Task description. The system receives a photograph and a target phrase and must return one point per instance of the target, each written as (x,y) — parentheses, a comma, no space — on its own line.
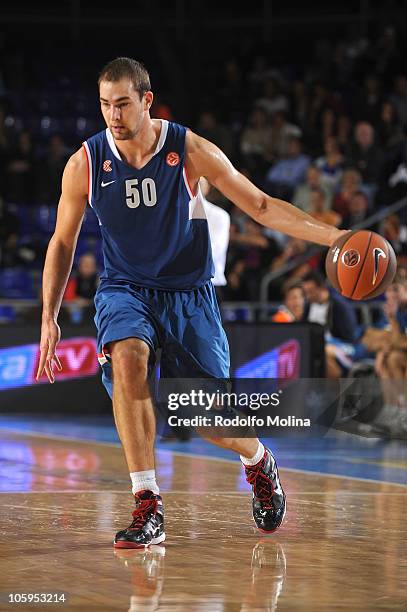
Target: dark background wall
(184,44)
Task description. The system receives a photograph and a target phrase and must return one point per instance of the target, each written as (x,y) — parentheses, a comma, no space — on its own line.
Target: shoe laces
(263,488)
(143,509)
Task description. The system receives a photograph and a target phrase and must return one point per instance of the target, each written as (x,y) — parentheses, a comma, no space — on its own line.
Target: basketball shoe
(269,504)
(147,526)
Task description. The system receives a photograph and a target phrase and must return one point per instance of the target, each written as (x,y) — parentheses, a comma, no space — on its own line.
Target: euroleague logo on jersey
(172,159)
(107,165)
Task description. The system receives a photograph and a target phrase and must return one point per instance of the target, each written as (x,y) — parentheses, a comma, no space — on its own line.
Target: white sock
(144,480)
(256,457)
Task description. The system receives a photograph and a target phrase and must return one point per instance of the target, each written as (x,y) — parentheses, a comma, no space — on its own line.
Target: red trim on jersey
(189,184)
(87,163)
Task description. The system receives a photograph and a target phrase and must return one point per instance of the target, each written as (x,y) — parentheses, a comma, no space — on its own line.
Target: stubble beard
(126,135)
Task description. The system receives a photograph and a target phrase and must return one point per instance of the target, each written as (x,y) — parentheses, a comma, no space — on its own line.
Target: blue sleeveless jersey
(154,229)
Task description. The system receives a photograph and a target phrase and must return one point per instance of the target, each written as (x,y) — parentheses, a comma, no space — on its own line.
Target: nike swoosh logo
(377,253)
(106,184)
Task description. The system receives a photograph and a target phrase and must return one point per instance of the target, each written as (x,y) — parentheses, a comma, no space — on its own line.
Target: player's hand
(50,336)
(335,234)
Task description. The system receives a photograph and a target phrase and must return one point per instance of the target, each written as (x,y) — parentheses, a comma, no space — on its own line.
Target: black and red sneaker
(147,526)
(269,503)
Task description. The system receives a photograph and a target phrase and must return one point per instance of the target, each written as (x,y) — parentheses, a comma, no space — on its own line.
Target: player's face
(122,108)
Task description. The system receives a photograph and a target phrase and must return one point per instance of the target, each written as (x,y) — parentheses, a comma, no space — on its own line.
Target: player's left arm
(203,158)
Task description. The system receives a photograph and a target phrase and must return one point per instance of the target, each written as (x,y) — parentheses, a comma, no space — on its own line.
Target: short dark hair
(315,277)
(361,194)
(290,285)
(127,68)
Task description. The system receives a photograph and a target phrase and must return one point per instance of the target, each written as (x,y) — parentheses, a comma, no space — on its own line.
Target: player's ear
(148,100)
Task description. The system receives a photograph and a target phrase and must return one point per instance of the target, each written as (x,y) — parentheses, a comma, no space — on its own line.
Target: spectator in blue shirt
(288,173)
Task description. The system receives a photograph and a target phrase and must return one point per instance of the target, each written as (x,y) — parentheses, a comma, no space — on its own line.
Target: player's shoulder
(194,142)
(77,161)
(76,173)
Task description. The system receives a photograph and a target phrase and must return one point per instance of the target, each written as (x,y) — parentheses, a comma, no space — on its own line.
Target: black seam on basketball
(334,268)
(363,263)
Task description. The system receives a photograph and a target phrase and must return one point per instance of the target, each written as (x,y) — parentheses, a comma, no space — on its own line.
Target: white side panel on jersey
(90,187)
(196,204)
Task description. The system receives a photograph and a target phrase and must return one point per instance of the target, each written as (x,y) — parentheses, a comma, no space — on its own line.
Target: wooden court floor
(343,545)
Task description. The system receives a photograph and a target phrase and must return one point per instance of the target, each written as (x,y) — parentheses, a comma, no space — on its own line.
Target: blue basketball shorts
(185,325)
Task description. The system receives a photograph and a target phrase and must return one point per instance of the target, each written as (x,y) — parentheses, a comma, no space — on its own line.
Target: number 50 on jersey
(144,193)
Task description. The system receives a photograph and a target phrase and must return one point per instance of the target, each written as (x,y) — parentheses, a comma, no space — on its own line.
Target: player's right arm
(58,262)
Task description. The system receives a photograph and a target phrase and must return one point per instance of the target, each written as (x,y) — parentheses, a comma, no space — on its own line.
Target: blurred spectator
(272,100)
(299,103)
(231,98)
(8,236)
(83,283)
(209,127)
(281,135)
(328,121)
(288,173)
(358,210)
(368,104)
(293,308)
(395,233)
(399,98)
(52,167)
(335,314)
(329,309)
(318,208)
(249,252)
(344,131)
(258,74)
(318,104)
(390,345)
(389,130)
(20,179)
(376,341)
(302,195)
(292,250)
(394,184)
(350,184)
(386,52)
(364,155)
(255,143)
(330,164)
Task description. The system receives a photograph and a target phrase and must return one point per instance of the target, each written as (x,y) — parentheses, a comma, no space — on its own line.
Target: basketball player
(141,177)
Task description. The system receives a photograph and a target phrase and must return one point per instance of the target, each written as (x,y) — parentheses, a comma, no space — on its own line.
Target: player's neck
(137,150)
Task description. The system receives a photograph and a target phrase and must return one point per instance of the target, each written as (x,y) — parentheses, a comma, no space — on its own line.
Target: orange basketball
(361,264)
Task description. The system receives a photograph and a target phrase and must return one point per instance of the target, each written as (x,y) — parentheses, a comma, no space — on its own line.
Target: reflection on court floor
(342,545)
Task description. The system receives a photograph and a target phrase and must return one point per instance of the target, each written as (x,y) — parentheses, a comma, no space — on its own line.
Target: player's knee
(130,356)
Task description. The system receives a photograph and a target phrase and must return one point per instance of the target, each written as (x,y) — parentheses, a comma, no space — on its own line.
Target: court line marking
(197,456)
